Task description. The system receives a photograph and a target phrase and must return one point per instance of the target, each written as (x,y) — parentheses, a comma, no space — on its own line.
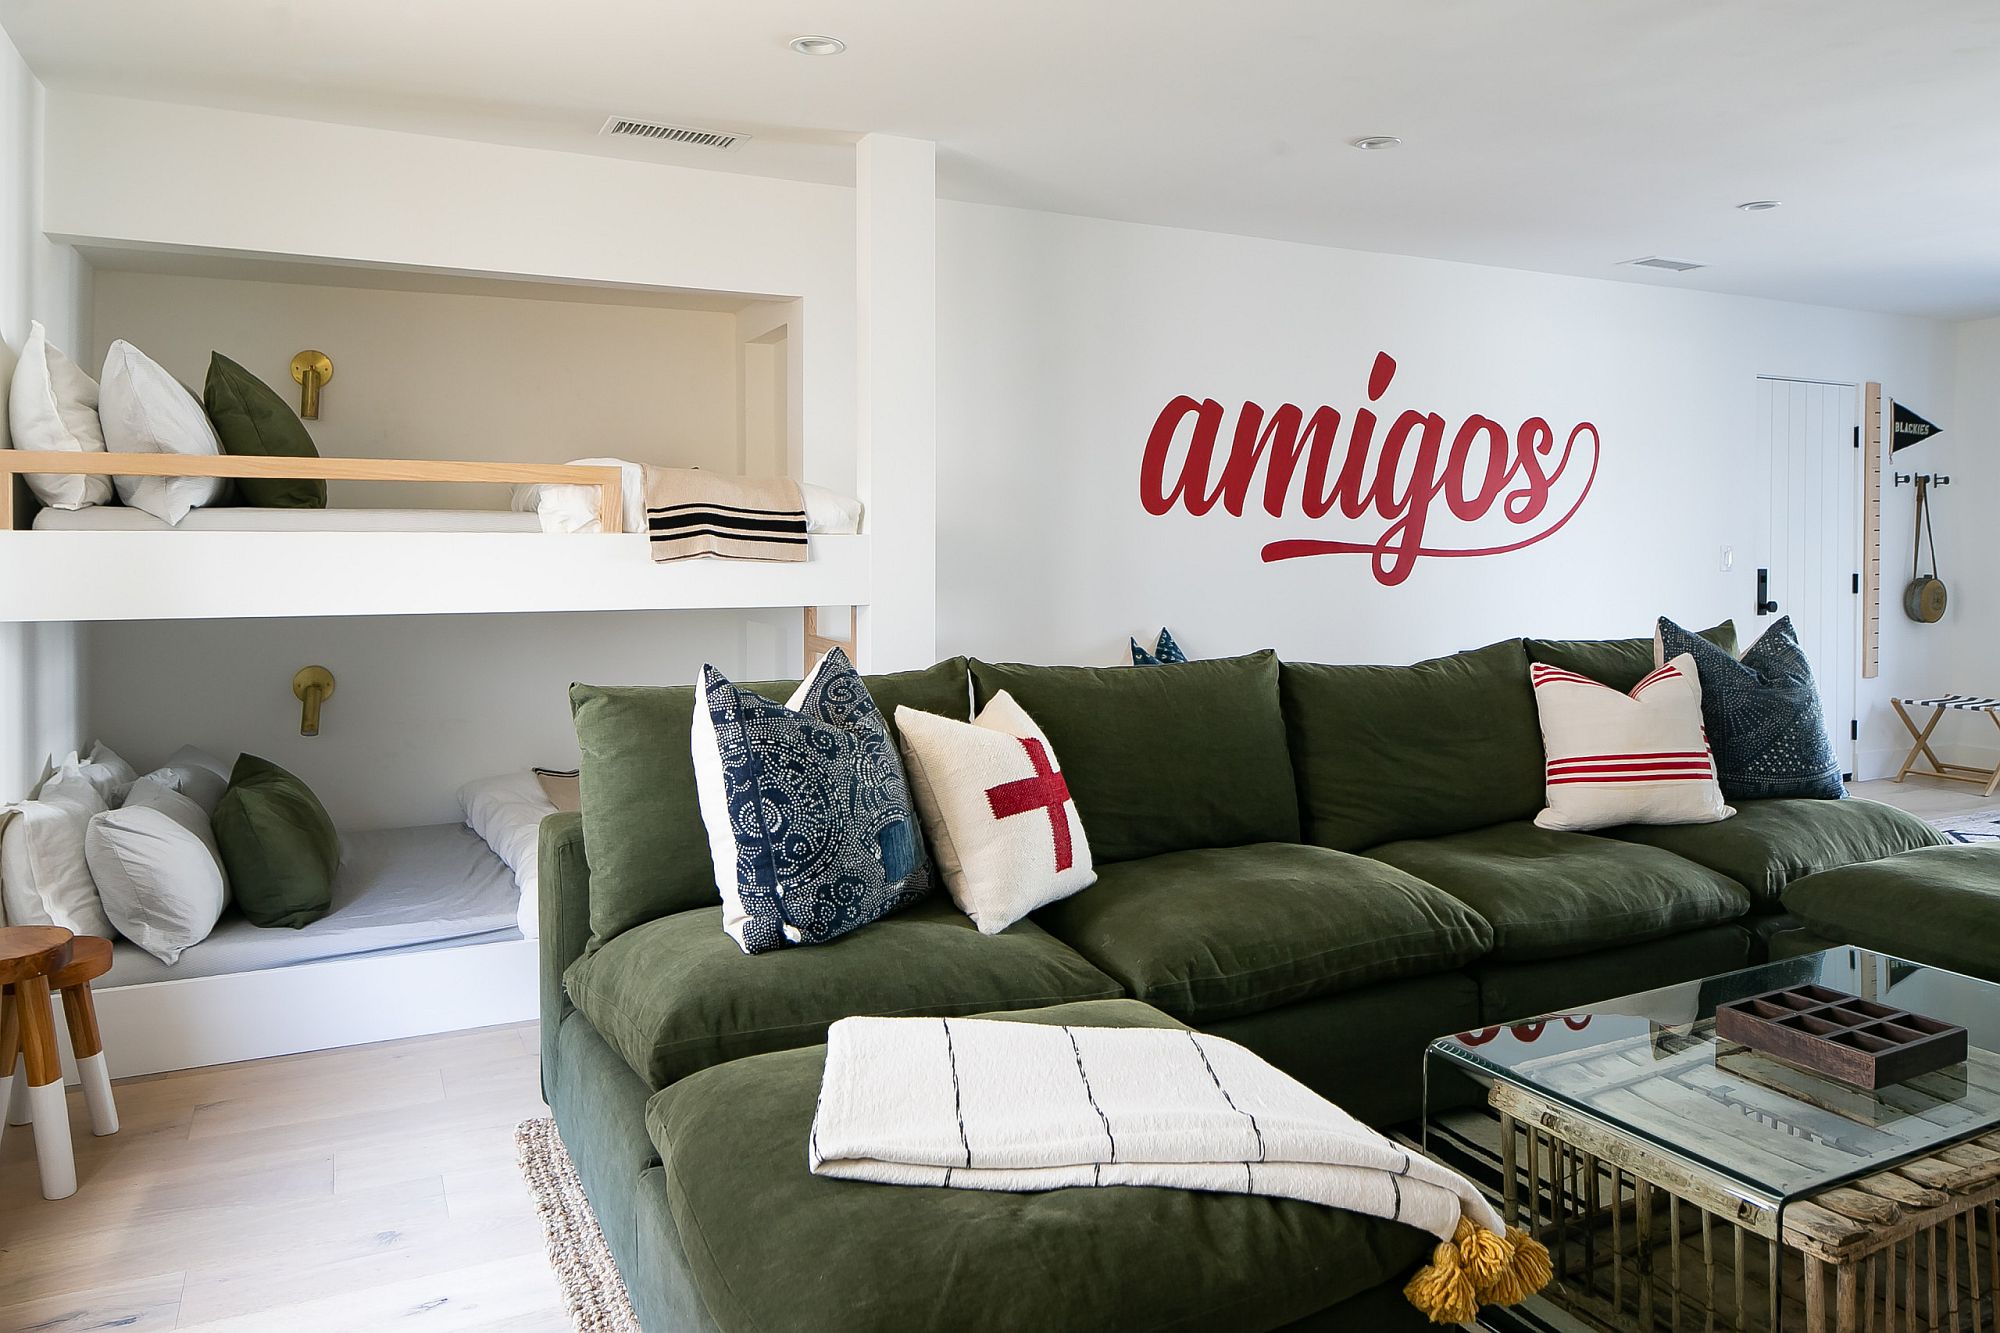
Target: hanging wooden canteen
(1924,598)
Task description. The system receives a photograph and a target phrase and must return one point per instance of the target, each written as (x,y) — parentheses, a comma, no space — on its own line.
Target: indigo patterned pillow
(1763,715)
(809,816)
(1165,651)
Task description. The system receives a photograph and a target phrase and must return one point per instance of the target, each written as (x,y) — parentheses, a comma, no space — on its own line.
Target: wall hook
(311,370)
(1928,478)
(313,686)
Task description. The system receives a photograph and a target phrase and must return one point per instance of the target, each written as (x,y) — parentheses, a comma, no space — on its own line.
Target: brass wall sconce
(311,370)
(313,686)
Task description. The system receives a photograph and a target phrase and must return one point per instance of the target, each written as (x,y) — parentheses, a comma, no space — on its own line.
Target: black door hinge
(1857,437)
(1857,581)
(1854,729)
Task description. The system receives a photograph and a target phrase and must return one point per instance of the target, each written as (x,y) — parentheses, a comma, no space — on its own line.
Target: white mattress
(396,890)
(247,518)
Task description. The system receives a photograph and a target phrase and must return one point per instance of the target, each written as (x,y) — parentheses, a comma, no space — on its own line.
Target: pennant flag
(1907,428)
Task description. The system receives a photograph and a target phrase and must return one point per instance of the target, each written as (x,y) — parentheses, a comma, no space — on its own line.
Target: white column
(896,344)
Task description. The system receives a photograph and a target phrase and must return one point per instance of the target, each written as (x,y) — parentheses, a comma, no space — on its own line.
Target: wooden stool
(1940,704)
(28,955)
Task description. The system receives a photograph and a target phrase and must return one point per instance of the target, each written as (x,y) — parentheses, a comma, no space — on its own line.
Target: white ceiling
(1557,135)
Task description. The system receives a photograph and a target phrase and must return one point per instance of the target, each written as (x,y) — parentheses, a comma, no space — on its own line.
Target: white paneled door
(1813,553)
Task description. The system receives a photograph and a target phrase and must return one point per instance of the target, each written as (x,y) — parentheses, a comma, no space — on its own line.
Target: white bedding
(247,518)
(507,811)
(574,508)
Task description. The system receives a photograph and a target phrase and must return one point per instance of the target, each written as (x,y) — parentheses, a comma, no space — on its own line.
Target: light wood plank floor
(366,1188)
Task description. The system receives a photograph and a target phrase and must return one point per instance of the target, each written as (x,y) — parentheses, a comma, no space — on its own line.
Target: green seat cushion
(1549,894)
(1768,844)
(675,994)
(1619,663)
(278,845)
(1221,932)
(1387,752)
(251,419)
(1939,905)
(1162,759)
(642,829)
(774,1247)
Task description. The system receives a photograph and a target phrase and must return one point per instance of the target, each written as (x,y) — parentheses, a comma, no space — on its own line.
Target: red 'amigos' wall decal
(1485,472)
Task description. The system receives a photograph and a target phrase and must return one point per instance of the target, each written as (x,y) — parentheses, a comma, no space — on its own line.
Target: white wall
(1968,451)
(449,375)
(1061,338)
(40,707)
(422,704)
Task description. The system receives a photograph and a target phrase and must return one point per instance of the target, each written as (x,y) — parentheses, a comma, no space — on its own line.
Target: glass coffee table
(1683,1181)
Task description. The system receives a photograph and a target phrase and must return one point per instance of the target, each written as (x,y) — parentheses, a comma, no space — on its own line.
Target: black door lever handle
(1765,606)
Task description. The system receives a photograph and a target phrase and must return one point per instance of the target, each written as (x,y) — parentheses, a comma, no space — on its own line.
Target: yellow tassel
(1526,1273)
(1485,1254)
(1442,1289)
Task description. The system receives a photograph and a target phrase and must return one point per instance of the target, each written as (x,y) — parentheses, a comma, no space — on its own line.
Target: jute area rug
(591,1287)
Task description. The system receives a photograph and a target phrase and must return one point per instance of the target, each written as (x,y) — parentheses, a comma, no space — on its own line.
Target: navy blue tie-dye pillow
(810,820)
(1165,651)
(1763,715)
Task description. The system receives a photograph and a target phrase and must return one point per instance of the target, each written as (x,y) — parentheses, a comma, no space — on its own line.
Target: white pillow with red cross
(997,810)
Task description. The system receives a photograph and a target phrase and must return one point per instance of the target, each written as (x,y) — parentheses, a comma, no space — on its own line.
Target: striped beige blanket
(691,513)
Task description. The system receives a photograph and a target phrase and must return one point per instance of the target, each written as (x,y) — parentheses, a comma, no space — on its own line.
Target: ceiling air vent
(1670,265)
(681,134)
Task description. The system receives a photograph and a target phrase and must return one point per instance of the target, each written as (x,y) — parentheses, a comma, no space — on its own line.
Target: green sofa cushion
(1162,759)
(278,845)
(1939,905)
(1619,663)
(1221,932)
(1768,844)
(642,828)
(675,994)
(1387,752)
(250,418)
(774,1247)
(1549,894)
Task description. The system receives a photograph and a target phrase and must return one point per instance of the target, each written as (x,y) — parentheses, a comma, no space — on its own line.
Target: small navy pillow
(808,809)
(1763,715)
(1165,651)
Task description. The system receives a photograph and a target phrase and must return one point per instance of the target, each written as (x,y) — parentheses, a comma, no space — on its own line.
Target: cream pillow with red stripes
(1638,758)
(997,811)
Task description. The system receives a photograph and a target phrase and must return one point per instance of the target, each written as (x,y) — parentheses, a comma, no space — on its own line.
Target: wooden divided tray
(1842,1036)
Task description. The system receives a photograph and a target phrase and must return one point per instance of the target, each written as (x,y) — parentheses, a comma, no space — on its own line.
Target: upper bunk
(448,390)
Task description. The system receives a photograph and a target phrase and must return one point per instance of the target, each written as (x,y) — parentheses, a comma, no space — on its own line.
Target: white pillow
(147,411)
(157,868)
(507,811)
(1638,758)
(830,511)
(104,770)
(44,878)
(997,811)
(196,774)
(52,406)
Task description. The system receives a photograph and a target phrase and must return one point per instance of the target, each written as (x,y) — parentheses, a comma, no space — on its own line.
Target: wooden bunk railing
(13,462)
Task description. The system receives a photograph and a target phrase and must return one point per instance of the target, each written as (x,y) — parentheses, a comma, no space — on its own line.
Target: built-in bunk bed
(430,927)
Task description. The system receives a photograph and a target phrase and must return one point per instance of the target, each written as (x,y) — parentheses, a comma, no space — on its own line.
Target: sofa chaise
(1330,865)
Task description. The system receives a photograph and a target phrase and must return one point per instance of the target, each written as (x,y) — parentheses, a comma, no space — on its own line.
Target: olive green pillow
(278,844)
(642,829)
(1619,663)
(1391,752)
(1166,758)
(253,420)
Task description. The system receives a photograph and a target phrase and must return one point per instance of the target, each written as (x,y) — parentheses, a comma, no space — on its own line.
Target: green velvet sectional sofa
(1328,864)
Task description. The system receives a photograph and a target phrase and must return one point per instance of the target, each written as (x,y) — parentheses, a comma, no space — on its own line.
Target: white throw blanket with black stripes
(982,1104)
(694,513)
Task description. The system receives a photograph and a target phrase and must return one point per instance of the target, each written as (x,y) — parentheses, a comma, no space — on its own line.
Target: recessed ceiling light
(816,45)
(1759,206)
(1373,142)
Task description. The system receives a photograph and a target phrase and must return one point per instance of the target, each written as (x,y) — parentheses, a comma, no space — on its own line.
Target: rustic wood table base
(1642,1243)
